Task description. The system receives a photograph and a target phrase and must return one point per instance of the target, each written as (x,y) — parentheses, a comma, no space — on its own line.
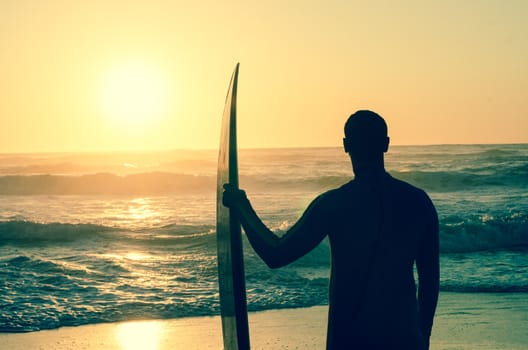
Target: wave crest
(34,233)
(105,183)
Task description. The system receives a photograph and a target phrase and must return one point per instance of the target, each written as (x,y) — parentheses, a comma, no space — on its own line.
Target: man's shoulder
(396,186)
(410,192)
(394,183)
(407,187)
(329,195)
(332,196)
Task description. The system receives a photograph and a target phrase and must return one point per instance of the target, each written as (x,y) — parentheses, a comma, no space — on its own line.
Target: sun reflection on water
(139,212)
(136,256)
(140,209)
(139,335)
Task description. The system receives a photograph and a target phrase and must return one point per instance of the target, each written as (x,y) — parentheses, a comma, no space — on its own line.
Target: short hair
(365,134)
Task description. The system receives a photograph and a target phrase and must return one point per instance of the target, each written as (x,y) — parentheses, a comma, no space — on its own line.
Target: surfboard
(231,278)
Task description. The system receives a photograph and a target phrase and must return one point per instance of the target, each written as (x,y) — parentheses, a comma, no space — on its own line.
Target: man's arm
(278,251)
(428,267)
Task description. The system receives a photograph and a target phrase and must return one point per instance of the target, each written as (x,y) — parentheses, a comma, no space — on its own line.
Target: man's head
(365,136)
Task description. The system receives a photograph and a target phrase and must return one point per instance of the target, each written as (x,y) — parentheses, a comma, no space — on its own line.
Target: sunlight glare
(139,335)
(134,94)
(135,256)
(141,210)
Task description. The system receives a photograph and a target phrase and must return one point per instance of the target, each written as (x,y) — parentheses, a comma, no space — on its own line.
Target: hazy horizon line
(244,148)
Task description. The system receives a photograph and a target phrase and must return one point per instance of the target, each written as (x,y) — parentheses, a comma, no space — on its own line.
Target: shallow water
(93,238)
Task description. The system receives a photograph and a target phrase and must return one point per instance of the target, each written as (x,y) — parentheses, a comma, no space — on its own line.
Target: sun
(134,94)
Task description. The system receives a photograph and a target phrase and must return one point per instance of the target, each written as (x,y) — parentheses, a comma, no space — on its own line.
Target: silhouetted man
(378,227)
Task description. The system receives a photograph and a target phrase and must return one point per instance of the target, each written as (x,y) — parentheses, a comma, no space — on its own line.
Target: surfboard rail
(231,277)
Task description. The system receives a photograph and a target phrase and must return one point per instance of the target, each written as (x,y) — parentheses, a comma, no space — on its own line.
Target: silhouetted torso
(378,227)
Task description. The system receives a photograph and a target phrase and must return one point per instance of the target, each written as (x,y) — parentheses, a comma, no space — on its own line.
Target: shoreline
(463,321)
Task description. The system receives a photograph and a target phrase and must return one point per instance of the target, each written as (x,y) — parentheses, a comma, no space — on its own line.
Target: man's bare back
(378,228)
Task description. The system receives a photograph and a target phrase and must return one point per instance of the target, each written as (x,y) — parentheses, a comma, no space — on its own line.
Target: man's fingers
(232,195)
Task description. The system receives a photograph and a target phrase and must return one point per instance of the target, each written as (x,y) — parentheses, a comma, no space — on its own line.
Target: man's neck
(368,169)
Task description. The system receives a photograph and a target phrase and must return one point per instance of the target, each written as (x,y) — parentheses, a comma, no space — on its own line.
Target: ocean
(89,238)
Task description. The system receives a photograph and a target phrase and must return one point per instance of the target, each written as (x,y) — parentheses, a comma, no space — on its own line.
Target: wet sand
(463,321)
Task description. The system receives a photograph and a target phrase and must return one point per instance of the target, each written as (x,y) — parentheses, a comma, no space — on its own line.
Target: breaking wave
(457,234)
(159,183)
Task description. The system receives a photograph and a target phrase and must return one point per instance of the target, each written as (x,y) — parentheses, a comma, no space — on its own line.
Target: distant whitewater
(87,238)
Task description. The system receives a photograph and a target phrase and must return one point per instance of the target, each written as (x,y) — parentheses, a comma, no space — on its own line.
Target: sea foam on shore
(463,322)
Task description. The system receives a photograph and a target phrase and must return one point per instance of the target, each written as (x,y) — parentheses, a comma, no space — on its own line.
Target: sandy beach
(464,321)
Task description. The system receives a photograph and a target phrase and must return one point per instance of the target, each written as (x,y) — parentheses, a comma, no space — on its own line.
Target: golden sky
(141,75)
